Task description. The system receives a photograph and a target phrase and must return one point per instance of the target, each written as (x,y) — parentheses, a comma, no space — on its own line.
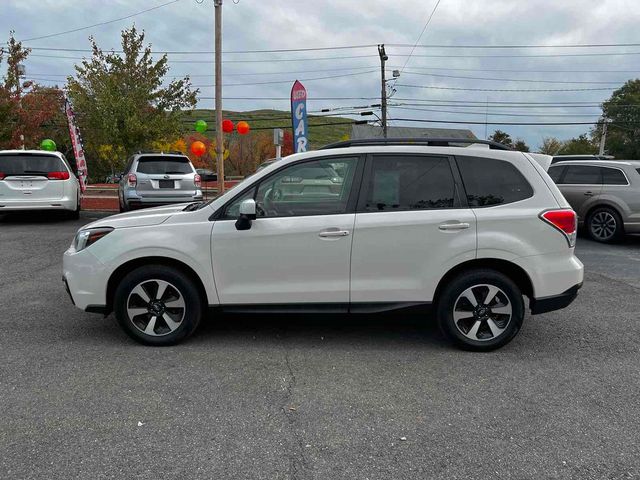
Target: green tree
(502,137)
(550,146)
(623,111)
(581,145)
(121,101)
(521,146)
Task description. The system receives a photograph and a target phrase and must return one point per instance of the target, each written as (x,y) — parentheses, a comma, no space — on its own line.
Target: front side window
(613,176)
(163,165)
(406,182)
(490,182)
(582,175)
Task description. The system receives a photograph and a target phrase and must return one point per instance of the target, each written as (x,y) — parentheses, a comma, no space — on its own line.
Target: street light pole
(603,137)
(383,59)
(218,81)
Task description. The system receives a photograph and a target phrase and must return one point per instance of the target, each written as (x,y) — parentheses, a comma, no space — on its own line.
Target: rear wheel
(480,310)
(158,305)
(605,225)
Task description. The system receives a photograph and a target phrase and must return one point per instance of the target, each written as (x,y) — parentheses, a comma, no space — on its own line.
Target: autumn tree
(521,145)
(550,146)
(123,100)
(580,145)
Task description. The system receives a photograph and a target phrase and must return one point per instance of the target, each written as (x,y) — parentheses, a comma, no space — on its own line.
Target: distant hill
(265,120)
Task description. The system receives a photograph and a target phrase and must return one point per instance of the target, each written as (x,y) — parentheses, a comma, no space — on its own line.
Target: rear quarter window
(613,176)
(164,165)
(491,182)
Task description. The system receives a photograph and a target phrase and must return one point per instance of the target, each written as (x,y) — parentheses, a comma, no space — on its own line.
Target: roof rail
(161,152)
(433,142)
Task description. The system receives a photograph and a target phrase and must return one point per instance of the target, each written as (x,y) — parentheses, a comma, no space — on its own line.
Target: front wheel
(158,305)
(480,310)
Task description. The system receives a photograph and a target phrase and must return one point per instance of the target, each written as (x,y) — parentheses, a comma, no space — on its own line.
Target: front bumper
(85,279)
(554,302)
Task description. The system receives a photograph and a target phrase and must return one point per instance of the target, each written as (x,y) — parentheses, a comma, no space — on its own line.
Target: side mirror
(247,214)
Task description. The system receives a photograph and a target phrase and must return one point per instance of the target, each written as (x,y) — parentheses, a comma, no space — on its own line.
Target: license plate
(166,184)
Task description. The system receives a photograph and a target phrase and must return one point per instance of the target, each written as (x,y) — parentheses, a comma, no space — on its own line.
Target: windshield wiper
(34,172)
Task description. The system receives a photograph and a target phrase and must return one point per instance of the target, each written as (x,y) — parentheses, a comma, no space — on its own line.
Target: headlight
(84,238)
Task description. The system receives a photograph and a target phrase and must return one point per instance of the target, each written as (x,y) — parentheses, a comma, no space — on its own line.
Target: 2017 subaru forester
(466,232)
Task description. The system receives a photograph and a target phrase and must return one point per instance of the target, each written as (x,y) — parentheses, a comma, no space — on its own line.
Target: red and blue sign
(299,117)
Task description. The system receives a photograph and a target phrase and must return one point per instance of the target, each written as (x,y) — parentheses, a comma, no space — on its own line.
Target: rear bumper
(64,203)
(554,302)
(135,201)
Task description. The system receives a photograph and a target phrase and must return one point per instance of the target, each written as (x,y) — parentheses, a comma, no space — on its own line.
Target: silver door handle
(453,226)
(333,233)
(588,194)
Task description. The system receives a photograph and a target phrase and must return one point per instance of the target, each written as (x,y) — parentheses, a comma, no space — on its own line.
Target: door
(298,249)
(28,177)
(581,185)
(411,227)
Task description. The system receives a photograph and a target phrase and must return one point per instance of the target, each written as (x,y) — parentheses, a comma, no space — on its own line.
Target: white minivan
(37,180)
(362,226)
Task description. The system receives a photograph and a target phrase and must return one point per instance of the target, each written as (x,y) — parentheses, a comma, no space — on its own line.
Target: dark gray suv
(604,193)
(153,179)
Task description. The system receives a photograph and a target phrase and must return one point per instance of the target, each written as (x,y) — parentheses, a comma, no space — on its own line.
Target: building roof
(374,131)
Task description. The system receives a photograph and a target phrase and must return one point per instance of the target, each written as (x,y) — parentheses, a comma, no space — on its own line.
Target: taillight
(197,179)
(566,221)
(132,180)
(58,175)
(2,175)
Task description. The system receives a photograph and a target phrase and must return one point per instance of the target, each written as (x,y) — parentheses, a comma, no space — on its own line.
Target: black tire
(604,225)
(189,316)
(122,206)
(478,281)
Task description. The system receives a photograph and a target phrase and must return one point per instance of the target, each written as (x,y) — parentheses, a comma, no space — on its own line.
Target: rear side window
(555,173)
(30,164)
(164,165)
(613,176)
(582,175)
(410,183)
(492,182)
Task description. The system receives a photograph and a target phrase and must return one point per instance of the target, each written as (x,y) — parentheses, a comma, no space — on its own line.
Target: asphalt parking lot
(313,398)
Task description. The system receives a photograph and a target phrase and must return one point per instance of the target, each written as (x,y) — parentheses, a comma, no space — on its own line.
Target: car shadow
(49,217)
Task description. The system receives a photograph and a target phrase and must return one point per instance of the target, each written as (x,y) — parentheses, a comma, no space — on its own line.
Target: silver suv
(604,193)
(153,179)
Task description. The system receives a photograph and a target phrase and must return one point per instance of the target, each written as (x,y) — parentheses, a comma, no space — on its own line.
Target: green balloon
(201,126)
(48,145)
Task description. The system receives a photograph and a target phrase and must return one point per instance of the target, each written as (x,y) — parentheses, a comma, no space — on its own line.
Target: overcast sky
(187,25)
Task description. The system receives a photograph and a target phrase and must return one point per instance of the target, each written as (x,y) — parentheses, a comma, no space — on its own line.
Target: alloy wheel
(482,312)
(156,307)
(603,225)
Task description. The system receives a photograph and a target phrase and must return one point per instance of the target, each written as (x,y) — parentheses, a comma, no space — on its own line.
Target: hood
(138,218)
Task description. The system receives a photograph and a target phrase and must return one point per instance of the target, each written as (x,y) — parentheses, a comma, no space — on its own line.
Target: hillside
(267,120)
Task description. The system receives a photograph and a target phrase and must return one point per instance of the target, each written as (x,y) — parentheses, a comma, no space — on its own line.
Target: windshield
(162,165)
(30,164)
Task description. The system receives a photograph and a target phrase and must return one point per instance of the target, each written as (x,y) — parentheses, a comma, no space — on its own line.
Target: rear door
(32,177)
(165,176)
(581,185)
(412,225)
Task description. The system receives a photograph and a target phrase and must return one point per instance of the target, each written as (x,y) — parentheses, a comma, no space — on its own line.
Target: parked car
(462,232)
(38,180)
(604,193)
(573,158)
(153,179)
(207,175)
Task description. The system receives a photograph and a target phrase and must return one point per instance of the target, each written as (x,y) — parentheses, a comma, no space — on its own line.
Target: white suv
(37,180)
(465,232)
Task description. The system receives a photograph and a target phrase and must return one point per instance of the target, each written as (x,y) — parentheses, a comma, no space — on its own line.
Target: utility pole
(603,137)
(383,59)
(218,81)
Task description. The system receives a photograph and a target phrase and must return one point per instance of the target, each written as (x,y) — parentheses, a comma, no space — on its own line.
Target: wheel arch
(511,270)
(605,204)
(120,272)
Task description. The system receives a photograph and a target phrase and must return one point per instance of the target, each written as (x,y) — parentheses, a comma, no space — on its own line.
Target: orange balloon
(243,128)
(198,148)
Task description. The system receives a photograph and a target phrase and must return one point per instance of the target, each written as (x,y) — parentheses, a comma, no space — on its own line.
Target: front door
(411,228)
(298,249)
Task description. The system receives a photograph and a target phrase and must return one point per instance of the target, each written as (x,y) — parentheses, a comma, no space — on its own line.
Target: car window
(555,173)
(30,164)
(613,176)
(164,165)
(405,182)
(491,182)
(309,188)
(582,175)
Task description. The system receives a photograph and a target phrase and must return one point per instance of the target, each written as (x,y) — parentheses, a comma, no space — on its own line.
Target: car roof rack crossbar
(160,152)
(432,142)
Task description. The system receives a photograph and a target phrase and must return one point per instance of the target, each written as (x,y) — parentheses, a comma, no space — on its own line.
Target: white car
(37,180)
(464,232)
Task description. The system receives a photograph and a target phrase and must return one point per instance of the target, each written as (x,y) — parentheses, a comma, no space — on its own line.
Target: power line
(512,79)
(508,89)
(500,114)
(96,24)
(426,25)
(275,82)
(419,120)
(517,70)
(575,45)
